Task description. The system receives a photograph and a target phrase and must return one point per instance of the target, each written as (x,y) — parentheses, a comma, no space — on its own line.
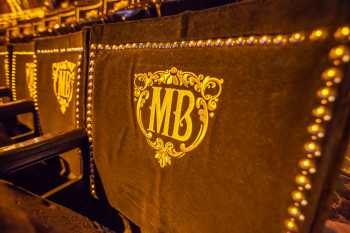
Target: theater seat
(21,211)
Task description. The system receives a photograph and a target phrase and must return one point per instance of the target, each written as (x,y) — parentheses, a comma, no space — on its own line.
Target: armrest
(27,153)
(14,108)
(5,92)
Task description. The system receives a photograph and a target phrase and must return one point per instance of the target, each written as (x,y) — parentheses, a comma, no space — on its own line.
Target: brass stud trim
(7,69)
(321,114)
(13,78)
(23,53)
(90,121)
(59,50)
(77,92)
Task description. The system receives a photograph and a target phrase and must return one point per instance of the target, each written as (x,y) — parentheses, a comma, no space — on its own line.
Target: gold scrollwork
(208,90)
(63,76)
(30,78)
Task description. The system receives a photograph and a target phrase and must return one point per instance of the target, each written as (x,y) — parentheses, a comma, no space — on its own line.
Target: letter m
(160,110)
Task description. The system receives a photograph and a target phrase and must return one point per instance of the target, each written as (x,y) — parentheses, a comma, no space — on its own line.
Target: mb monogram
(63,76)
(30,74)
(174,105)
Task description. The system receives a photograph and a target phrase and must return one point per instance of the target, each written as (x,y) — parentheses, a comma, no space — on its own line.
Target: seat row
(207,121)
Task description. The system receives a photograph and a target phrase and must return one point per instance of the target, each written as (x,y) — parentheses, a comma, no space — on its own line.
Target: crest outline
(205,104)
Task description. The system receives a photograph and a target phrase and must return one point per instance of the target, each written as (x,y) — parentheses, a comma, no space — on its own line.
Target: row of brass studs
(62,50)
(7,69)
(89,121)
(77,97)
(343,33)
(321,114)
(326,94)
(13,78)
(35,96)
(35,80)
(23,53)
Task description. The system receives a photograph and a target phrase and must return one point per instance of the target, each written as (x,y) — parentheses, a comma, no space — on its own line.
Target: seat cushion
(21,211)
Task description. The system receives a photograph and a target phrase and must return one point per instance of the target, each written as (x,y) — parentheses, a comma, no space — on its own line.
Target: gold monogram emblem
(30,74)
(63,75)
(177,106)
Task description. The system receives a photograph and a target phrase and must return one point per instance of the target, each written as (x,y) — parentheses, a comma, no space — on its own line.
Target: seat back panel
(4,66)
(60,67)
(176,153)
(23,70)
(252,145)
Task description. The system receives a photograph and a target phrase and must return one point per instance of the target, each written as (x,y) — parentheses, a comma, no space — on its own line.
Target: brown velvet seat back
(61,87)
(4,67)
(214,134)
(60,82)
(23,71)
(23,76)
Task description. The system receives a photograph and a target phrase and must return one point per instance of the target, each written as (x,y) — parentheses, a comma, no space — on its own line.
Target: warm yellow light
(291,225)
(313,147)
(303,181)
(316,129)
(345,31)
(339,51)
(325,91)
(318,33)
(321,111)
(340,54)
(294,211)
(307,164)
(331,72)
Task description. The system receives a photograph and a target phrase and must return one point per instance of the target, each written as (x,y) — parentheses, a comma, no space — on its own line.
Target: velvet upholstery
(23,86)
(3,49)
(52,118)
(239,179)
(266,17)
(133,31)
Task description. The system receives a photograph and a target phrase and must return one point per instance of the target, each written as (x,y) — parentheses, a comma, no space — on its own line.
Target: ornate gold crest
(30,78)
(167,101)
(63,76)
